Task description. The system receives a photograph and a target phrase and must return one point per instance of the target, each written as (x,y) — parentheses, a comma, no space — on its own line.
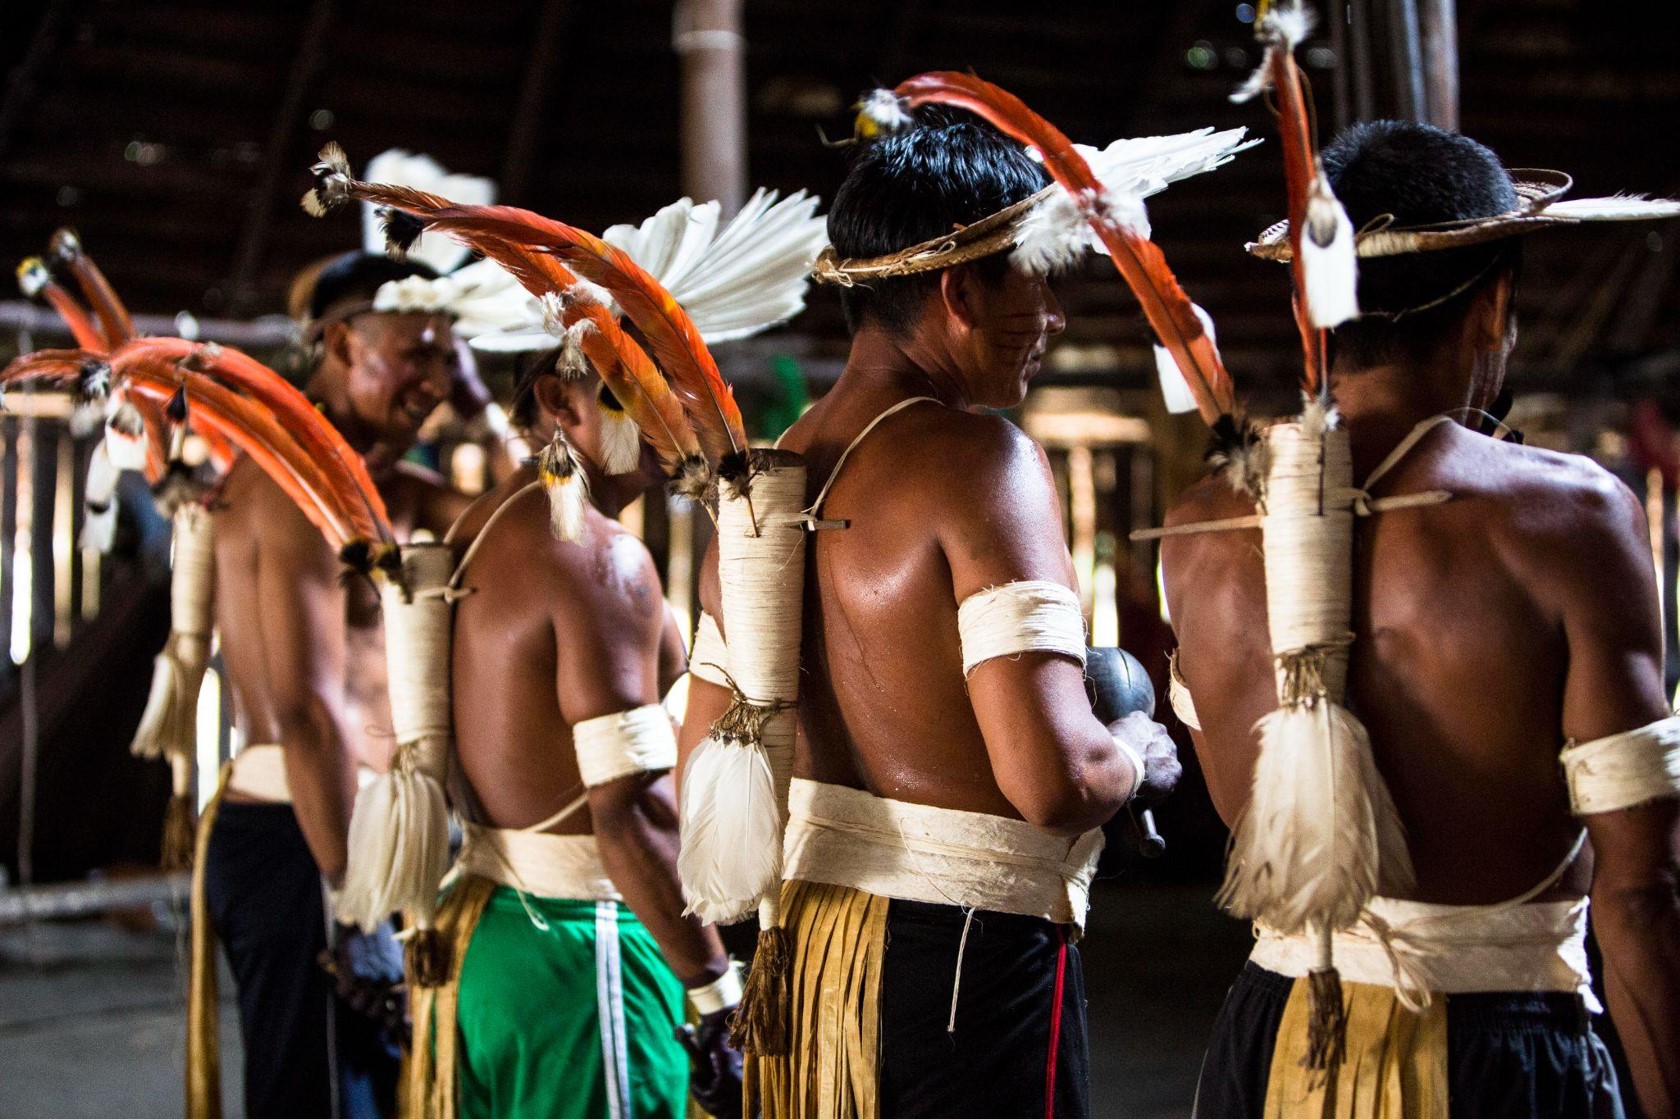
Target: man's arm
(707,701)
(608,656)
(302,610)
(1055,762)
(1612,621)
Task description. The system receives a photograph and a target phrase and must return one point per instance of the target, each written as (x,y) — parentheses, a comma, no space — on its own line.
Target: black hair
(1421,175)
(356,277)
(948,169)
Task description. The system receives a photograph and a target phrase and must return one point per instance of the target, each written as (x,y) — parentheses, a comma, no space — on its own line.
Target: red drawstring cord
(1055,1028)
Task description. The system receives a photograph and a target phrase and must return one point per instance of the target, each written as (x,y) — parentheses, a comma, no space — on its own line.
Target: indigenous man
(285,614)
(1516,617)
(950,779)
(571,986)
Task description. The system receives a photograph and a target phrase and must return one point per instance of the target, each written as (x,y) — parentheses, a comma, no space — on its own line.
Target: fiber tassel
(621,439)
(180,827)
(426,957)
(730,826)
(567,487)
(1326,1013)
(760,1025)
(398,843)
(1329,262)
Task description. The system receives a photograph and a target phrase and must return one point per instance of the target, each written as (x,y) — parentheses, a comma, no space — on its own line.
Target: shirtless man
(1491,630)
(956,954)
(285,614)
(571,988)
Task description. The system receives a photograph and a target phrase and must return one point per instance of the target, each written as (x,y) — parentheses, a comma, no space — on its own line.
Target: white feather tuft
(398,849)
(1320,836)
(621,441)
(1329,259)
(729,831)
(1286,24)
(421,172)
(33,277)
(1051,236)
(1257,82)
(884,109)
(332,183)
(125,434)
(567,487)
(1175,388)
(99,525)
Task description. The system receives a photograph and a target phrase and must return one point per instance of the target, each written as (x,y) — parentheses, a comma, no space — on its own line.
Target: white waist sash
(1418,949)
(537,863)
(915,852)
(260,772)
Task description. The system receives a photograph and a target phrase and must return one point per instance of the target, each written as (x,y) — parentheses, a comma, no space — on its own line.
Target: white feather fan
(421,172)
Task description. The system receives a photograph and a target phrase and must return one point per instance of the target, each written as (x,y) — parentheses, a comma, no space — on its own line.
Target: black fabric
(265,901)
(1509,1056)
(994,1063)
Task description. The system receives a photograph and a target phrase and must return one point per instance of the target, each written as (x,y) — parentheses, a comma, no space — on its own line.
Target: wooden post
(707,37)
(1438,31)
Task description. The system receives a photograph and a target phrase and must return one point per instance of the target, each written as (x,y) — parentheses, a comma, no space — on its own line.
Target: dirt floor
(91,1014)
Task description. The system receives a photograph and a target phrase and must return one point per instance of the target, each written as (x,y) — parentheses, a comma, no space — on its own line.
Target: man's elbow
(1069,808)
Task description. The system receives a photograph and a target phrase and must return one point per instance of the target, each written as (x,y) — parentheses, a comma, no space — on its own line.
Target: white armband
(710,659)
(1031,616)
(1624,769)
(1178,694)
(722,993)
(640,740)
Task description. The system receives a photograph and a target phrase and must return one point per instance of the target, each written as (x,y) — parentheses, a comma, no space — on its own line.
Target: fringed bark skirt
(907,1009)
(1466,1056)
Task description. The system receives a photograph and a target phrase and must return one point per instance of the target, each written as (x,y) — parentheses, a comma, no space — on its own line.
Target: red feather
(1140,262)
(96,289)
(1300,165)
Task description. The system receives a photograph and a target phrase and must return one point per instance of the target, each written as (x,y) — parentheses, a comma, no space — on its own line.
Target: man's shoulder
(969,452)
(1544,492)
(608,569)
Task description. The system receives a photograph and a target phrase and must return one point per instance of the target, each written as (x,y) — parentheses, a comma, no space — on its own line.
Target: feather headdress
(1113,216)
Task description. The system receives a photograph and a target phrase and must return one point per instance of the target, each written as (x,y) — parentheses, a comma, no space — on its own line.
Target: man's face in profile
(1011,322)
(400,368)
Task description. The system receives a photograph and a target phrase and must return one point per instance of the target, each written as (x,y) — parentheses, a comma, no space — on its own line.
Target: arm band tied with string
(1626,769)
(1030,616)
(710,659)
(640,740)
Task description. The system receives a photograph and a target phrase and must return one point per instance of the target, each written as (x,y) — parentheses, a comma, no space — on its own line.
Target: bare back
(552,634)
(884,705)
(1485,639)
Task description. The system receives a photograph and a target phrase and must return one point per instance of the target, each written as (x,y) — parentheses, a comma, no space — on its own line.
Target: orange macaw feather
(1139,260)
(313,432)
(66,248)
(623,364)
(1300,164)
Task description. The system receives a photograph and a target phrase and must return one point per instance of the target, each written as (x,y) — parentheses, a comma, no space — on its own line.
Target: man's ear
(337,342)
(958,291)
(1491,320)
(557,400)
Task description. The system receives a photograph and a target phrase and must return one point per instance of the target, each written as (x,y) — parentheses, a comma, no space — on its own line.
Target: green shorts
(566,1011)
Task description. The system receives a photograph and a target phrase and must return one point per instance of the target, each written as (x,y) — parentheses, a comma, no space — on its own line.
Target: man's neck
(1380,404)
(884,363)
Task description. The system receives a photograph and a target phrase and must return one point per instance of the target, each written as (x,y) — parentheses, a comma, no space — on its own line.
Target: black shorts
(1532,1055)
(307,1056)
(1019,1046)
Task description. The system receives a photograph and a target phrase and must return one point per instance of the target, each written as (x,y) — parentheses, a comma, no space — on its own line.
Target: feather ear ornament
(567,487)
(1329,261)
(881,110)
(621,439)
